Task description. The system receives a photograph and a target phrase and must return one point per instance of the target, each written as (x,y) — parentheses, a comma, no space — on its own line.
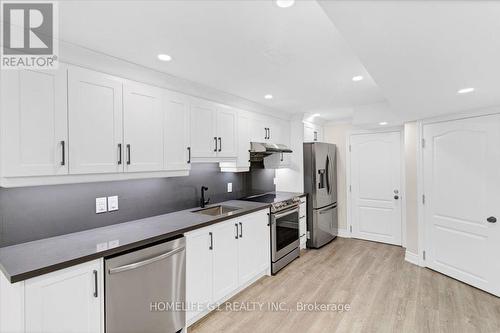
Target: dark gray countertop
(23,261)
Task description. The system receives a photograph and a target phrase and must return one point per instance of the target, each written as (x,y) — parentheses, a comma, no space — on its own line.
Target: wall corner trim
(344,233)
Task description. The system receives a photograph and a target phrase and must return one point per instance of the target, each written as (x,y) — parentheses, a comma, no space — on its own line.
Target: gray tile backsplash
(31,213)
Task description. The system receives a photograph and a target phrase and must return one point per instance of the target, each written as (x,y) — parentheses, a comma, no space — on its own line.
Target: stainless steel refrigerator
(320,183)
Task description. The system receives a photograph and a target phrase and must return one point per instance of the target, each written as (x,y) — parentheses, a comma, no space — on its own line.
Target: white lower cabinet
(223,258)
(69,300)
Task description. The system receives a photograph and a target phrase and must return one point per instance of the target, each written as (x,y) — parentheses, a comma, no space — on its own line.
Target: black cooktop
(265,198)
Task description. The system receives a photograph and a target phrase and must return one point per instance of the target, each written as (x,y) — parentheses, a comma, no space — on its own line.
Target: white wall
(410,147)
(337,134)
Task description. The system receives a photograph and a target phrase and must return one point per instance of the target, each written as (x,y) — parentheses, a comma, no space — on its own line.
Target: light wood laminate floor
(385,294)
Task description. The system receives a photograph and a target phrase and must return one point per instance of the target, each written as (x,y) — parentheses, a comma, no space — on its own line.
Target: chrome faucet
(203,202)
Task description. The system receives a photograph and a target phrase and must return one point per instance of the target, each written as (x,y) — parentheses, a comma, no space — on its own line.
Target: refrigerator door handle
(327,167)
(324,211)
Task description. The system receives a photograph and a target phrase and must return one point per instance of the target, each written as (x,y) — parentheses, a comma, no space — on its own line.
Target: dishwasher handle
(145,262)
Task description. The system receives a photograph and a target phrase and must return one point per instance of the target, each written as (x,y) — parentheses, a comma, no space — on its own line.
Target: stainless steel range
(284,221)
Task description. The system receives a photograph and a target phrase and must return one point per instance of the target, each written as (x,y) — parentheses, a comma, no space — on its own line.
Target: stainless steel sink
(216,210)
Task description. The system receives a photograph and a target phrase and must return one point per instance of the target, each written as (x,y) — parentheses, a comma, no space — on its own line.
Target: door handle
(95,283)
(119,154)
(281,157)
(241,230)
(211,247)
(189,154)
(145,262)
(128,155)
(220,144)
(492,219)
(215,139)
(236,225)
(63,152)
(396,197)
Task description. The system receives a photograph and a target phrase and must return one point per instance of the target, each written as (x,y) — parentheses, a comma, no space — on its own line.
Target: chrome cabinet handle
(491,219)
(215,139)
(119,154)
(211,247)
(63,152)
(145,262)
(220,144)
(269,133)
(128,155)
(236,225)
(189,154)
(95,283)
(241,230)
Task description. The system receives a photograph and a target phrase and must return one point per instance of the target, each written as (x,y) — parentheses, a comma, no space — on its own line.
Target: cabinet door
(275,132)
(176,134)
(95,122)
(203,132)
(253,246)
(308,133)
(198,272)
(226,132)
(225,267)
(66,301)
(142,127)
(34,122)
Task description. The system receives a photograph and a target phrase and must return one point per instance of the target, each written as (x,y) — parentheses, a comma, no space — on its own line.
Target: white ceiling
(247,48)
(421,53)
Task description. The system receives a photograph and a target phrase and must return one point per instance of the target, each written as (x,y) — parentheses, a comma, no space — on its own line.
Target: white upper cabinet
(226,132)
(213,130)
(66,301)
(34,122)
(203,128)
(143,121)
(176,132)
(313,132)
(95,122)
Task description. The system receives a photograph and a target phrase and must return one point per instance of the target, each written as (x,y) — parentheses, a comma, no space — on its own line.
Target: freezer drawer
(324,226)
(141,287)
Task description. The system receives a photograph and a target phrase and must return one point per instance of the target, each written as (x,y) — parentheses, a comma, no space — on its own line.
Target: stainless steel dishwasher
(146,289)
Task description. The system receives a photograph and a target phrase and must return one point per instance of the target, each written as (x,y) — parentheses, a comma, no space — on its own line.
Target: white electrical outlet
(230,187)
(101,205)
(112,203)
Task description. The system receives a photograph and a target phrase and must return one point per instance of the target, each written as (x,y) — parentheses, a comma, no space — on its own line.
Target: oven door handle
(286,212)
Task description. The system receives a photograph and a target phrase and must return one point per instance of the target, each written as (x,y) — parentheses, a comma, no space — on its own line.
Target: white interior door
(143,127)
(376,186)
(461,182)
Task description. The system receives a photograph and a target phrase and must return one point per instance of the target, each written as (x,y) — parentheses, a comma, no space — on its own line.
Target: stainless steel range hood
(259,150)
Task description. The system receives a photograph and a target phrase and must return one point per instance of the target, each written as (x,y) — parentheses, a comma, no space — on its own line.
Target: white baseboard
(412,258)
(344,233)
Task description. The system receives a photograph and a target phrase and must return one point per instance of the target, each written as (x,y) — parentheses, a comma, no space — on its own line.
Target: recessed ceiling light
(383,123)
(164,57)
(465,90)
(268,96)
(285,3)
(357,78)
(316,115)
